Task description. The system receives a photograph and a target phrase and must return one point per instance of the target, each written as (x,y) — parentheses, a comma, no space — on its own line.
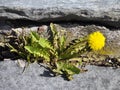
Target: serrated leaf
(40,52)
(53,29)
(71,69)
(45,43)
(61,43)
(74,49)
(35,36)
(67,67)
(54,36)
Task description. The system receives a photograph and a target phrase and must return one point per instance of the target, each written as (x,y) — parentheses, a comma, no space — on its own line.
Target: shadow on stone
(47,73)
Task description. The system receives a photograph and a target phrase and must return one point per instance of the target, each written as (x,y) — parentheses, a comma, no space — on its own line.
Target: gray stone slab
(38,78)
(61,10)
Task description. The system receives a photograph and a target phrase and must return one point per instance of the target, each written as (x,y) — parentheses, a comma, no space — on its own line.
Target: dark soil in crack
(72,25)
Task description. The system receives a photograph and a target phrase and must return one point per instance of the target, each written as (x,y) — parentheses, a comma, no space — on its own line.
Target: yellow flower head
(96,40)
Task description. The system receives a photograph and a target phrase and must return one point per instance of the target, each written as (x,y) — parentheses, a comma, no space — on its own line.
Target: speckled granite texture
(38,78)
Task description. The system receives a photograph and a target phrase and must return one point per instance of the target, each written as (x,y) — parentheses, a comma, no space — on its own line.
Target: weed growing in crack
(61,58)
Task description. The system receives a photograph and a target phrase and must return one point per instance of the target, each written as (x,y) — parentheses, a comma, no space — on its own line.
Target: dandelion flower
(96,40)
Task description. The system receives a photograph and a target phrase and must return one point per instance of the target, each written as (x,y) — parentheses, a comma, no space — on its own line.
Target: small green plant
(55,52)
(61,58)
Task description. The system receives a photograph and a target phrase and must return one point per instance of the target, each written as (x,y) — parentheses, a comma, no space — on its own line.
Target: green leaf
(54,36)
(53,29)
(71,69)
(35,36)
(38,52)
(65,67)
(45,43)
(61,43)
(74,49)
(29,48)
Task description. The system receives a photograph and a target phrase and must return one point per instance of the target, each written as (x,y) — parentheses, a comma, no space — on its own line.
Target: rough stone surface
(62,10)
(38,78)
(74,30)
(102,12)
